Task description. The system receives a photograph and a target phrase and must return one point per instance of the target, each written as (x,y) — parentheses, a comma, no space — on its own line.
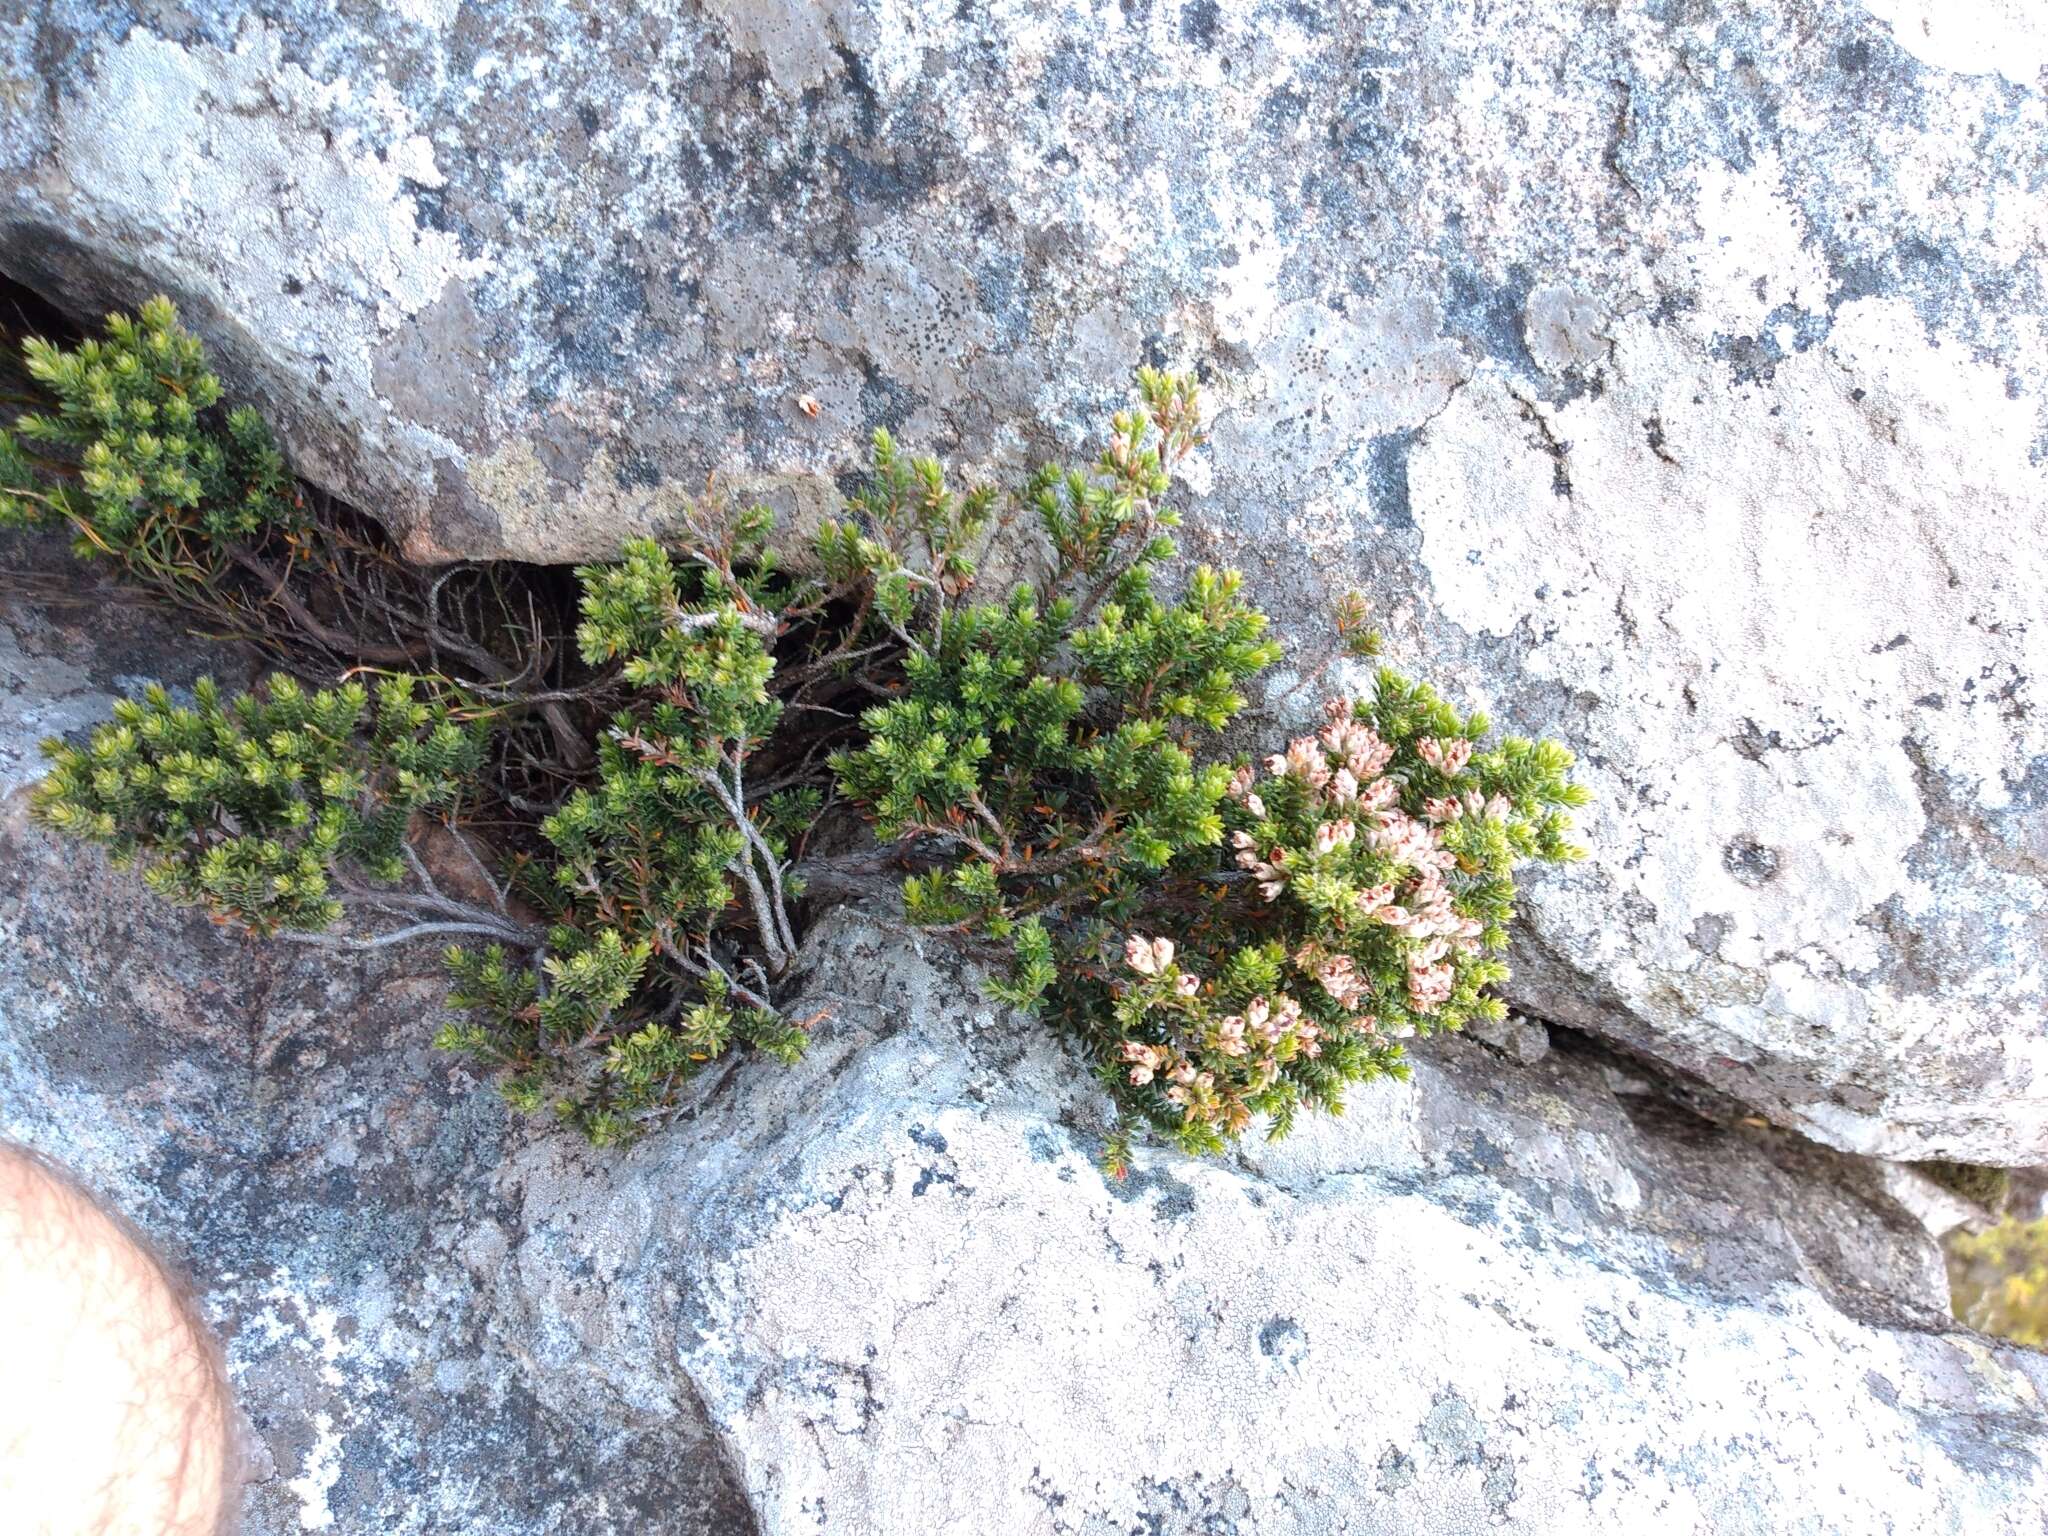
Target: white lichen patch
(1785,602)
(282,1312)
(1971,37)
(319,1472)
(1334,381)
(1753,252)
(227,170)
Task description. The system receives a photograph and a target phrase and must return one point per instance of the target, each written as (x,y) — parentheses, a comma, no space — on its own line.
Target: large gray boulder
(889,1290)
(1499,1298)
(1672,374)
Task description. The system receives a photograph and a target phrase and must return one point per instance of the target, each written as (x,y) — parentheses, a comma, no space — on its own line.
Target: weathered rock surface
(1499,1299)
(889,1291)
(1674,375)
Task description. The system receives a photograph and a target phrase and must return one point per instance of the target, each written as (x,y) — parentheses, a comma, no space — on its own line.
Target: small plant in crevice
(1219,946)
(278,810)
(1985,1186)
(131,454)
(1376,859)
(132,451)
(668,882)
(1224,942)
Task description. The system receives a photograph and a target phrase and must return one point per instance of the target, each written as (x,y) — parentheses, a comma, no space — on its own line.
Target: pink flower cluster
(1273,1024)
(1346,762)
(1447,755)
(1356,748)
(1146,1060)
(1221,1060)
(1190,1088)
(1154,957)
(1429,916)
(1400,837)
(1430,977)
(1474,804)
(1148,957)
(1429,912)
(1272,878)
(1240,789)
(1345,790)
(1339,977)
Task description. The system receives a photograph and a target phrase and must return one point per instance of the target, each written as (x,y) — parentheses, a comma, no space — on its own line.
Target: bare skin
(114,1416)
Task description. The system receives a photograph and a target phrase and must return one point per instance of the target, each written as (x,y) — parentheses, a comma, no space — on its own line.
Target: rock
(1518,1035)
(1938,1208)
(1672,375)
(1484,1301)
(2028,1198)
(889,1290)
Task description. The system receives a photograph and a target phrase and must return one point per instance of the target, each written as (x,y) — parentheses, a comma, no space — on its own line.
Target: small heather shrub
(1375,865)
(1056,746)
(135,453)
(158,480)
(667,882)
(1050,738)
(268,807)
(1222,941)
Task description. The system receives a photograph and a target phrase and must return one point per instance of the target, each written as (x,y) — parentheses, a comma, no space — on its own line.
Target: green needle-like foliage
(1057,747)
(667,882)
(1998,1280)
(1221,943)
(254,806)
(1053,736)
(132,453)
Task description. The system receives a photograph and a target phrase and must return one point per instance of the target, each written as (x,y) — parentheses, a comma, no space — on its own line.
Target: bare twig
(404,935)
(497,891)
